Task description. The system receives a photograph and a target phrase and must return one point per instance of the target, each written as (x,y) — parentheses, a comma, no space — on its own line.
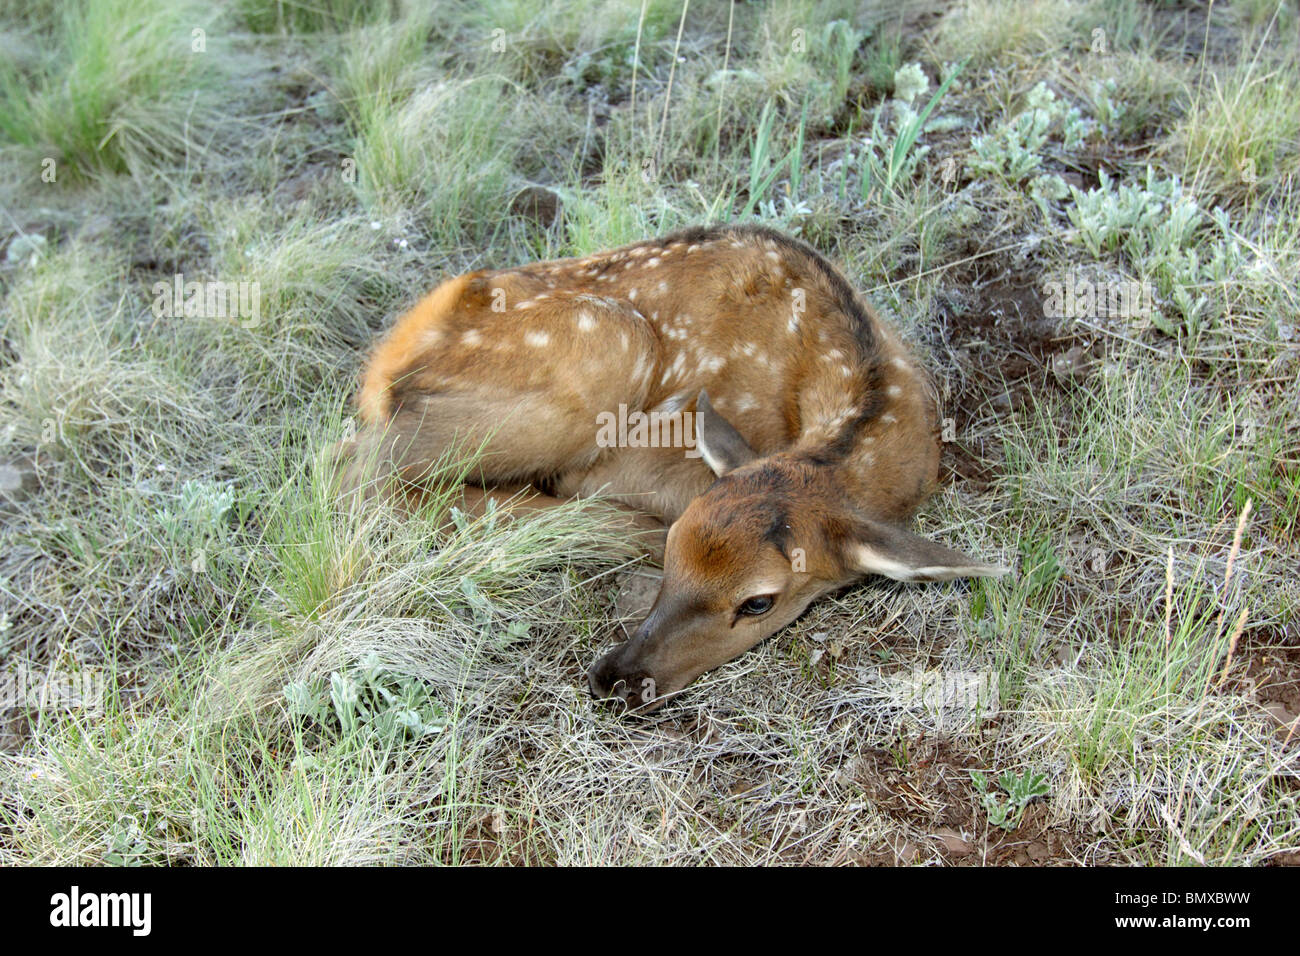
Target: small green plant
(1107,107)
(369,703)
(897,163)
(1014,151)
(199,525)
(761,178)
(124,845)
(201,511)
(1042,568)
(1161,230)
(1007,811)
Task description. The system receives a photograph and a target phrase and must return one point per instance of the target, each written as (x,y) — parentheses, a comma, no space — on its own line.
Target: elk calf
(809,436)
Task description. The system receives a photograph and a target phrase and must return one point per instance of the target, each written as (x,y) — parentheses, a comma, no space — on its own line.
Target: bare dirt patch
(927,788)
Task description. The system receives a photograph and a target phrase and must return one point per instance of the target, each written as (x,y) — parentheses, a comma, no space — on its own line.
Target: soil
(933,793)
(1004,350)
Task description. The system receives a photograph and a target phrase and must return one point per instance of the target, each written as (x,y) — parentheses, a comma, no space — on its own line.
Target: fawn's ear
(894,552)
(721,446)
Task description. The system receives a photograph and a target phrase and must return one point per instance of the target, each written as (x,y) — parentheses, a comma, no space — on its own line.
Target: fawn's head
(748,556)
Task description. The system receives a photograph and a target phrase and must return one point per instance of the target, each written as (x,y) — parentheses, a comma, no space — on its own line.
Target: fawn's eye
(756,606)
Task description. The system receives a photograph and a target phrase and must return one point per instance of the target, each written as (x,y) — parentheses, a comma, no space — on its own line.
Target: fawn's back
(784,348)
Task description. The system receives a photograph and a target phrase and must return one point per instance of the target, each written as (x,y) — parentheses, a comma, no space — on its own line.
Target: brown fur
(834,420)
(452,368)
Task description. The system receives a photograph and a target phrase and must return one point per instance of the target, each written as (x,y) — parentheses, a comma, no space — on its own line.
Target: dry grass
(293,684)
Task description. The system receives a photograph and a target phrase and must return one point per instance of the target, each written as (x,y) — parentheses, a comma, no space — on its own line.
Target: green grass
(311,16)
(120,87)
(293,683)
(1241,134)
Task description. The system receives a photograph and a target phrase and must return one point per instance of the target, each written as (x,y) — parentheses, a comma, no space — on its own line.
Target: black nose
(596,680)
(627,691)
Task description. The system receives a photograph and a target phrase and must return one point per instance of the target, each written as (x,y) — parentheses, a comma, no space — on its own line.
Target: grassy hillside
(1084,215)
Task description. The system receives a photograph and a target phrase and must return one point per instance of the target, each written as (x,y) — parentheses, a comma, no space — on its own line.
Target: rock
(27,248)
(907,853)
(17,480)
(538,204)
(953,842)
(1071,367)
(1279,717)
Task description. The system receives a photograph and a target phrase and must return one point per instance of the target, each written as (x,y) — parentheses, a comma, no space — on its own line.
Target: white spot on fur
(537,339)
(471,337)
(586,322)
(893,391)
